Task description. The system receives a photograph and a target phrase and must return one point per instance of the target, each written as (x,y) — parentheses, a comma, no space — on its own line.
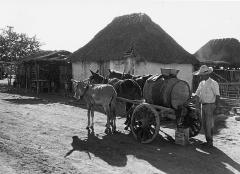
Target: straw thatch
(135,32)
(220,50)
(49,56)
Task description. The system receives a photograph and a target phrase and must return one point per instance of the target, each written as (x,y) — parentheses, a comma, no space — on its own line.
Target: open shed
(45,71)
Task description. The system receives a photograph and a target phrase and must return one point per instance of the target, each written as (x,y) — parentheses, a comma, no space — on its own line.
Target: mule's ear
(92,72)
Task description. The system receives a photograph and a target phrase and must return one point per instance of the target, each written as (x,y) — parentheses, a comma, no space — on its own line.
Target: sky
(70,24)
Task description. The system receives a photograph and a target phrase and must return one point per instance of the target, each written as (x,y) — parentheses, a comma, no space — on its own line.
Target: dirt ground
(36,134)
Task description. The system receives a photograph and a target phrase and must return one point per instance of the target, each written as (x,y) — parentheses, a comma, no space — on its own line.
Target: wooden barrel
(166,91)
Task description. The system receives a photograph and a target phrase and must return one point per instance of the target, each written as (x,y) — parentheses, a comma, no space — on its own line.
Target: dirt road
(36,134)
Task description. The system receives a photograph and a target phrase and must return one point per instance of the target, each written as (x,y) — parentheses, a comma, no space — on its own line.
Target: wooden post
(65,80)
(38,85)
(37,76)
(26,76)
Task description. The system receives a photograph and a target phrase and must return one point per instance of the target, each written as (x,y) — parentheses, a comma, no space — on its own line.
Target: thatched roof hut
(138,33)
(224,56)
(223,51)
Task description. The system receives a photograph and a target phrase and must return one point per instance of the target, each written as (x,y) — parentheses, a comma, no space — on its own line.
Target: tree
(14,46)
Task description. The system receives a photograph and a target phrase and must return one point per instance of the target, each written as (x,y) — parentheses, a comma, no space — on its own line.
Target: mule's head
(95,78)
(114,74)
(127,76)
(78,88)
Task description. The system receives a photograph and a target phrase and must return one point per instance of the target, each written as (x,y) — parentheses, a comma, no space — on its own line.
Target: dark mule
(97,94)
(127,88)
(119,75)
(139,79)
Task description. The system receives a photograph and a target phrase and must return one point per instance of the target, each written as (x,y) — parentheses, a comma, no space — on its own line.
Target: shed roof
(49,56)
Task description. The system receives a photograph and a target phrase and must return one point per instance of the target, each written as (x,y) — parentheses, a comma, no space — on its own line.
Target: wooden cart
(145,119)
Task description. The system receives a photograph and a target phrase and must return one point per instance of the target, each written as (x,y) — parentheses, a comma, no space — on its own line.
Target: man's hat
(203,70)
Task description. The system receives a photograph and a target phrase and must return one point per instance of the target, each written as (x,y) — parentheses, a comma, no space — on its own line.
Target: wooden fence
(230,90)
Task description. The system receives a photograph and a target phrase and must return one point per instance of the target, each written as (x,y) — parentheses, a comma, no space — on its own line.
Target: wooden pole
(37,76)
(142,101)
(26,76)
(38,85)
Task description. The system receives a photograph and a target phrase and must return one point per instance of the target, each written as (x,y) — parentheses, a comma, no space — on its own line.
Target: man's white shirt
(207,91)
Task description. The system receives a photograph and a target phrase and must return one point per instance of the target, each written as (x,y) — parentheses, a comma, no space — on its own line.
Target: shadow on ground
(27,101)
(162,154)
(21,97)
(220,123)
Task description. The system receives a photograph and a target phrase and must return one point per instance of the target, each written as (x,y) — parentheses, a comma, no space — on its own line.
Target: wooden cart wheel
(145,123)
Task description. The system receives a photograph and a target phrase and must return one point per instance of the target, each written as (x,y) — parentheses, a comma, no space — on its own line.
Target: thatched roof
(135,32)
(49,56)
(226,50)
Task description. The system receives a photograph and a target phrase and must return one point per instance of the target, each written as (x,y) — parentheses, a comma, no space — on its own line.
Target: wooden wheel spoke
(152,130)
(145,123)
(137,123)
(152,122)
(148,133)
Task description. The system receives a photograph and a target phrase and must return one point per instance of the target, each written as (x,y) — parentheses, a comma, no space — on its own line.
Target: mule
(97,94)
(139,79)
(119,75)
(127,88)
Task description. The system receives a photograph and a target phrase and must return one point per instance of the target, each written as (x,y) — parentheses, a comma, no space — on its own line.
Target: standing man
(208,93)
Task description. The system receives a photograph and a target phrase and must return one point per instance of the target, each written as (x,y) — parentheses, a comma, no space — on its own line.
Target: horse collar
(87,87)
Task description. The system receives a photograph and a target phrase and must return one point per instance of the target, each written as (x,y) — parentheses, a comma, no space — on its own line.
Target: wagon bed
(145,119)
